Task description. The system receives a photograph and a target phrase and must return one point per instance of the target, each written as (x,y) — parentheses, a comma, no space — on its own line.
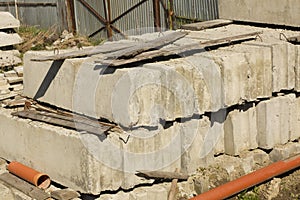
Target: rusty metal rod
(250,180)
(156,13)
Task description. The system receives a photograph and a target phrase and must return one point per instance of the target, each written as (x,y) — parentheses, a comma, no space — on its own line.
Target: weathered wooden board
(7,39)
(64,194)
(63,121)
(178,50)
(206,24)
(23,186)
(105,48)
(145,46)
(162,175)
(7,20)
(8,96)
(116,50)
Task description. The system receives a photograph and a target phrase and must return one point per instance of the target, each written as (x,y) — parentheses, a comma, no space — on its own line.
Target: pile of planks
(11,80)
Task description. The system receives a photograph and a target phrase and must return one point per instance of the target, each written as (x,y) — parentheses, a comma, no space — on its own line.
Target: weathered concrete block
(9,39)
(268,11)
(258,71)
(92,164)
(284,61)
(273,121)
(8,21)
(9,58)
(297,69)
(294,119)
(284,152)
(240,131)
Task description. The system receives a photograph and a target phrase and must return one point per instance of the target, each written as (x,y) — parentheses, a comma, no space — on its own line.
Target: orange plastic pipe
(249,180)
(39,179)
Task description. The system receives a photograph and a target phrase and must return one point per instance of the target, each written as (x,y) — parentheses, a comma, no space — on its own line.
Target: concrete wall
(282,12)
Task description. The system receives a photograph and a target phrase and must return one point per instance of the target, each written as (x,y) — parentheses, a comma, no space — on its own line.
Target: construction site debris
(64,194)
(162,175)
(24,186)
(38,179)
(178,50)
(206,24)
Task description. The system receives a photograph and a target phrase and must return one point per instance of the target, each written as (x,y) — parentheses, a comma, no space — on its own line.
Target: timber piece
(8,21)
(59,121)
(14,103)
(64,194)
(23,186)
(145,46)
(206,24)
(178,50)
(8,96)
(174,189)
(105,48)
(162,175)
(8,39)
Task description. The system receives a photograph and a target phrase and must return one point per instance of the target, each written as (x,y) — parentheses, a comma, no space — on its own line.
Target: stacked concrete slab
(175,114)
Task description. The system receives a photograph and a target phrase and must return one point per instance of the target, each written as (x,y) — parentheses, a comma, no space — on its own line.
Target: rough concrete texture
(9,39)
(240,131)
(268,11)
(284,151)
(7,20)
(297,69)
(90,169)
(273,121)
(178,88)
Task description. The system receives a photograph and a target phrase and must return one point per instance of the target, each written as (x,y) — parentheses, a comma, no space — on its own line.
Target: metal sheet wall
(36,12)
(140,20)
(201,10)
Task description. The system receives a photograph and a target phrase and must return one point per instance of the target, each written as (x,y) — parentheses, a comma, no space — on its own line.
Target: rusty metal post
(107,13)
(156,13)
(71,16)
(109,30)
(172,15)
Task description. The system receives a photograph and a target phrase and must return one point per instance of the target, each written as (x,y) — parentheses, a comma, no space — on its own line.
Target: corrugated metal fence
(85,15)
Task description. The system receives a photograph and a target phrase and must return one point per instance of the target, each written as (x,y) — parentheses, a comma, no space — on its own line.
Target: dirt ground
(285,187)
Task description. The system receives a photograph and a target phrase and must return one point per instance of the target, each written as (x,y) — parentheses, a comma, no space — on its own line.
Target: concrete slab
(273,124)
(9,58)
(284,61)
(8,21)
(7,39)
(268,11)
(240,131)
(92,164)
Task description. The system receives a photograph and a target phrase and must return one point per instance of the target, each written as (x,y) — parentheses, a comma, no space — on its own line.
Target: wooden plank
(105,48)
(162,175)
(206,24)
(177,50)
(23,186)
(115,50)
(8,96)
(7,39)
(7,20)
(59,121)
(64,194)
(145,46)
